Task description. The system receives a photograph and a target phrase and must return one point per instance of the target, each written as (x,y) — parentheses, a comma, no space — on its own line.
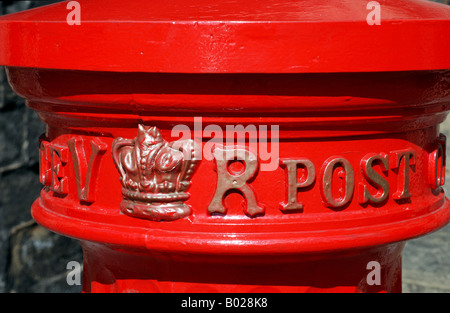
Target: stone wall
(33,259)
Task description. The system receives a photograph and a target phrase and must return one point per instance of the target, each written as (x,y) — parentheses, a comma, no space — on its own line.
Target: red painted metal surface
(351,112)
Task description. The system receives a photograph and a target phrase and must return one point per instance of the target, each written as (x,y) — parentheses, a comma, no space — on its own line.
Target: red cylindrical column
(237,148)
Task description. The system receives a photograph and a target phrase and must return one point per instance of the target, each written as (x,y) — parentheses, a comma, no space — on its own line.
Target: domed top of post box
(230,36)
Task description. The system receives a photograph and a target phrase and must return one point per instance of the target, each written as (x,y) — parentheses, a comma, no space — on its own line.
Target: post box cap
(229,36)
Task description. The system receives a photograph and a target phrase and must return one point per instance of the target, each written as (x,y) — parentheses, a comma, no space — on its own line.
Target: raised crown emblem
(155,174)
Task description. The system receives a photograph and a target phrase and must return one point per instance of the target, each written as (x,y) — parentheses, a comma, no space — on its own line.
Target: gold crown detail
(155,174)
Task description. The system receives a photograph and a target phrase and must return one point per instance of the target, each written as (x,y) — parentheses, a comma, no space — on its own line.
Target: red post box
(244,146)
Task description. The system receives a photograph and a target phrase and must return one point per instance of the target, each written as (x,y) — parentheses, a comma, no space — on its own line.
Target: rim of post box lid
(252,36)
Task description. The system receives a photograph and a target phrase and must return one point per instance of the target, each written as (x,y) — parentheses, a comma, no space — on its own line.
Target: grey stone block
(426,263)
(2,82)
(18,190)
(4,248)
(8,98)
(34,127)
(11,136)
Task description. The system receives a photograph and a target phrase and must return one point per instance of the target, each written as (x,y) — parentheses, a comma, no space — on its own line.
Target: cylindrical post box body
(234,151)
